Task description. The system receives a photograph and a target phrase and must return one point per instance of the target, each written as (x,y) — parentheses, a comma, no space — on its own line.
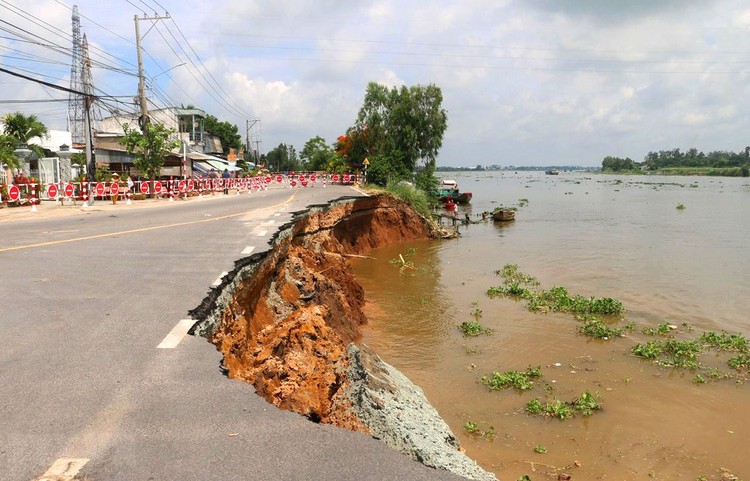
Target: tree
(23,127)
(616,164)
(150,147)
(316,154)
(281,158)
(402,128)
(7,145)
(226,132)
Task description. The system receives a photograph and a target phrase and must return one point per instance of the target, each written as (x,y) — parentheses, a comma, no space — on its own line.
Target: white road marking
(218,281)
(176,335)
(63,469)
(261,233)
(248,250)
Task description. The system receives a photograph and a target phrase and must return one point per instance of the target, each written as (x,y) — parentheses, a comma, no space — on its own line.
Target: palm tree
(23,127)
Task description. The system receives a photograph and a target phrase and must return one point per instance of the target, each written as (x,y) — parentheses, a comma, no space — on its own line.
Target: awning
(201,167)
(207,163)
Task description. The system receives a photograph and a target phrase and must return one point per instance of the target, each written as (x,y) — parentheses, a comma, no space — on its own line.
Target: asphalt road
(87,298)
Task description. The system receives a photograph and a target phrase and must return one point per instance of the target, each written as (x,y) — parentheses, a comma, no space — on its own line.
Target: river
(597,235)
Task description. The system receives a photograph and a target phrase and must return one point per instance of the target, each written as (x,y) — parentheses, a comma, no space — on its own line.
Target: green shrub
(411,195)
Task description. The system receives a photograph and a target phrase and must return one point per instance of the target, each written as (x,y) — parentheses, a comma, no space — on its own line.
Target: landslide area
(284,319)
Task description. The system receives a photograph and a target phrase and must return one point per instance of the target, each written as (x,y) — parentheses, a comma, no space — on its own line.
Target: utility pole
(141,76)
(250,125)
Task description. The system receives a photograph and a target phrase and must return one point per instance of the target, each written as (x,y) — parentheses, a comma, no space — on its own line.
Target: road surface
(98,378)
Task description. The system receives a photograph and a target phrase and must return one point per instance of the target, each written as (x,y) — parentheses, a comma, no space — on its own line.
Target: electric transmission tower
(88,84)
(76,103)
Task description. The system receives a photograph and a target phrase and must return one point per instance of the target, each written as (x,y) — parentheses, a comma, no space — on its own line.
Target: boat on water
(448,190)
(502,215)
(552,172)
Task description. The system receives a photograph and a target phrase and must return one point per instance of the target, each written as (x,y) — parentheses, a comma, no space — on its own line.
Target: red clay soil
(287,327)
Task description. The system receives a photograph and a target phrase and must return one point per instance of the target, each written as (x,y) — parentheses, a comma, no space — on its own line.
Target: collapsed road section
(288,322)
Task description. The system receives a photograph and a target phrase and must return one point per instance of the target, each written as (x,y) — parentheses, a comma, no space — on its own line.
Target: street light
(153,79)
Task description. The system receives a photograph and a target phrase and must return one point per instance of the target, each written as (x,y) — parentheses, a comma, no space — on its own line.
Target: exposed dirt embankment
(286,320)
(287,324)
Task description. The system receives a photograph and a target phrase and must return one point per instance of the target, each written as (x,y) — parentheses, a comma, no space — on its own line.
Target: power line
(42,82)
(239,109)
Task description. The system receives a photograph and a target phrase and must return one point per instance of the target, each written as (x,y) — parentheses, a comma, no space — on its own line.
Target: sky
(524,82)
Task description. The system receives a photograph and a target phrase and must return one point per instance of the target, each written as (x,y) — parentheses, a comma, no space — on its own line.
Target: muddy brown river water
(597,235)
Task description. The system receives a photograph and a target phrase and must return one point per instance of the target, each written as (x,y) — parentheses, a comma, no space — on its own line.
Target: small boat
(448,190)
(502,215)
(552,172)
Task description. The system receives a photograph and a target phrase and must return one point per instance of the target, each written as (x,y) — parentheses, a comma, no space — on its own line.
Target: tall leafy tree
(228,133)
(150,147)
(7,146)
(316,154)
(281,158)
(403,128)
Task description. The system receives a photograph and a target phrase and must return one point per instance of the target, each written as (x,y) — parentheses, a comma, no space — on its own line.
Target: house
(57,168)
(195,156)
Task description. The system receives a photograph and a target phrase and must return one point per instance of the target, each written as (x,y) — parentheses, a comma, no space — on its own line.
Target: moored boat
(448,190)
(501,214)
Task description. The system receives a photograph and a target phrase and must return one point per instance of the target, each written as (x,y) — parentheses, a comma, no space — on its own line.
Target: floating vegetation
(661,330)
(586,404)
(540,449)
(670,353)
(680,206)
(473,329)
(523,286)
(725,341)
(686,354)
(474,428)
(519,380)
(594,327)
(401,260)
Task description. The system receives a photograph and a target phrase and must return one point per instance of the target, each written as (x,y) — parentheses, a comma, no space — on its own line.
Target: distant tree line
(674,158)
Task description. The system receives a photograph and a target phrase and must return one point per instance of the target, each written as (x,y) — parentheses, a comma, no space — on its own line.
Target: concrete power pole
(251,124)
(141,76)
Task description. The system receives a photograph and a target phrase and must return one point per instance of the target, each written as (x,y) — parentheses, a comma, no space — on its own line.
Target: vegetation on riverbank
(691,162)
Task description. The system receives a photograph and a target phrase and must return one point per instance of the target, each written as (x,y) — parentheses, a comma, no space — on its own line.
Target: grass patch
(411,195)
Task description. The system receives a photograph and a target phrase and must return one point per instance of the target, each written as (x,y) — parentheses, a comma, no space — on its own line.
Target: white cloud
(529,80)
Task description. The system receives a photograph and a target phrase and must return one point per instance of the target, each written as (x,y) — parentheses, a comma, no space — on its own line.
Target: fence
(33,193)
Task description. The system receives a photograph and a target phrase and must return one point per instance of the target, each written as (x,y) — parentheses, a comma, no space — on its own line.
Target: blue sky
(530,82)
